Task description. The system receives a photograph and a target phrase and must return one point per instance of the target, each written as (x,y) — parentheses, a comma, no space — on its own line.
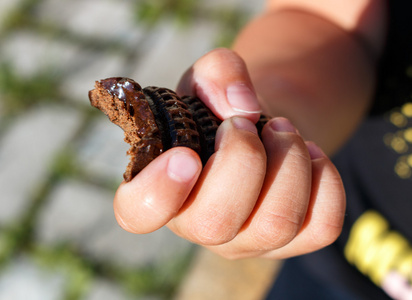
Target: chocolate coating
(173,118)
(207,124)
(131,94)
(123,101)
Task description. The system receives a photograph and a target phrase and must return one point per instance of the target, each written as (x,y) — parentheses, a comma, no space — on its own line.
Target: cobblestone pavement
(61,160)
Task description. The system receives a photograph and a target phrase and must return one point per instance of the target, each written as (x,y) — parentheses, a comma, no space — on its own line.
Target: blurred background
(61,160)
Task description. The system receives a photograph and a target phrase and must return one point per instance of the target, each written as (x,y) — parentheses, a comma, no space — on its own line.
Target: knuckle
(210,231)
(218,59)
(223,53)
(329,218)
(245,150)
(324,234)
(288,144)
(297,152)
(275,231)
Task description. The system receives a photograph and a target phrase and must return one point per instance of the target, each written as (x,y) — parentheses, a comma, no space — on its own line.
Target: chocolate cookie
(155,119)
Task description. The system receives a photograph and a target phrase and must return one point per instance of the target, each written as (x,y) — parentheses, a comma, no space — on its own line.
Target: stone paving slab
(23,279)
(173,53)
(253,7)
(44,54)
(102,150)
(26,152)
(72,213)
(105,19)
(127,250)
(106,290)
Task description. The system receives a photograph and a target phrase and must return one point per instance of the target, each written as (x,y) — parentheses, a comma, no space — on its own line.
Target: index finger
(221,80)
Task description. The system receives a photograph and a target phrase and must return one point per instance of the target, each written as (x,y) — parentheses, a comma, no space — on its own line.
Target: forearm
(310,70)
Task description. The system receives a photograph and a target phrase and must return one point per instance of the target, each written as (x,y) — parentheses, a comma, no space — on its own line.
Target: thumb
(221,80)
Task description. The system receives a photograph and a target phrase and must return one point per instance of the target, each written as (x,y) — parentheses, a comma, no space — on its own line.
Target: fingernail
(314,151)
(282,125)
(182,167)
(242,99)
(244,124)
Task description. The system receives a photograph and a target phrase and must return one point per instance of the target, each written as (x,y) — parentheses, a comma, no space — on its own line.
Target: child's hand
(276,198)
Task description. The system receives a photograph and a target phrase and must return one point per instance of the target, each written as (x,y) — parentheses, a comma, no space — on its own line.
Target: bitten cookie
(154,120)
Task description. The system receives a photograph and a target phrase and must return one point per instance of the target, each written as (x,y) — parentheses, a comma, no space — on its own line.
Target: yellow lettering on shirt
(376,250)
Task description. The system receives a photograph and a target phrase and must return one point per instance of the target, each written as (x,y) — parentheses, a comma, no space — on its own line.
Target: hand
(276,197)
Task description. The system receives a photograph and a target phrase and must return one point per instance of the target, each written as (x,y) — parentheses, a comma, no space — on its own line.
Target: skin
(282,196)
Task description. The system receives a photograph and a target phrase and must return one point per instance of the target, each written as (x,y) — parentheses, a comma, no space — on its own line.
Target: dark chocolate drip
(126,90)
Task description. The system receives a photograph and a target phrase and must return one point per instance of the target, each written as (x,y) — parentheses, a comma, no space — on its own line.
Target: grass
(150,12)
(231,20)
(20,93)
(78,272)
(20,16)
(161,280)
(187,12)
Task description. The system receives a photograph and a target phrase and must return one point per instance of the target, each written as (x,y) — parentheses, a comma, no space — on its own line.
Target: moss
(185,12)
(231,21)
(151,12)
(161,279)
(21,16)
(78,272)
(65,165)
(19,93)
(10,241)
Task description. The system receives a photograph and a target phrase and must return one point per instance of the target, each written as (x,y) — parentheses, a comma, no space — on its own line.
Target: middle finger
(228,188)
